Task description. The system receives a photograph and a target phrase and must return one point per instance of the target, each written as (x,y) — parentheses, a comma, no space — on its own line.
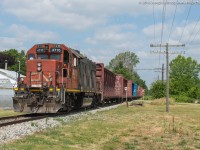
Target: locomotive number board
(55,50)
(40,50)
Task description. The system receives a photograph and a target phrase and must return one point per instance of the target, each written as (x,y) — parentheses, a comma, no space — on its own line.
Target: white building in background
(8,81)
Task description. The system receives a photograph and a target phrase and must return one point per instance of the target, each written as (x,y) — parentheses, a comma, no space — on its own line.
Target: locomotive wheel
(95,102)
(69,102)
(79,102)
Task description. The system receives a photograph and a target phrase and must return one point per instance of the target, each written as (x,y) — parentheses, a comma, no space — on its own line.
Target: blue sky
(102,29)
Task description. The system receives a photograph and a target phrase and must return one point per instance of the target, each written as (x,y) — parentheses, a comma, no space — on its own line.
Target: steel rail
(16,119)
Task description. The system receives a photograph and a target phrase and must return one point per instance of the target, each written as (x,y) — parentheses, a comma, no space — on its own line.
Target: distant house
(8,81)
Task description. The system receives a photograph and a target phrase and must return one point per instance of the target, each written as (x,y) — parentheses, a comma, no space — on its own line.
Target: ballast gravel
(17,131)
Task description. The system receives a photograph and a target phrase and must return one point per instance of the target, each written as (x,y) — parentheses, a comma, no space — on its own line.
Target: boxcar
(105,81)
(129,89)
(135,89)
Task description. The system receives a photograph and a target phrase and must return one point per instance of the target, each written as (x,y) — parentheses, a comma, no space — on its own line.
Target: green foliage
(183,98)
(119,69)
(148,97)
(13,57)
(3,57)
(157,89)
(124,64)
(184,78)
(194,92)
(128,60)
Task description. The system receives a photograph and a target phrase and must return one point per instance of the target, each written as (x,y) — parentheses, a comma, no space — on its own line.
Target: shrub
(184,98)
(194,92)
(147,98)
(157,89)
(162,101)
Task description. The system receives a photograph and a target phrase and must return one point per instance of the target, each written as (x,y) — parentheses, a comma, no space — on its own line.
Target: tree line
(13,57)
(184,83)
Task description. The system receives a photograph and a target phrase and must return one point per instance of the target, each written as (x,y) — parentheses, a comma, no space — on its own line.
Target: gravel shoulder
(17,131)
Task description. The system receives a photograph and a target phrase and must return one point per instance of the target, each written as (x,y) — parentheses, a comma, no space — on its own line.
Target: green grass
(4,113)
(147,127)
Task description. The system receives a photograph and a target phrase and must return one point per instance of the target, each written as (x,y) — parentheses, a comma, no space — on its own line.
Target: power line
(154,22)
(195,36)
(163,19)
(162,30)
(154,29)
(194,29)
(185,23)
(173,20)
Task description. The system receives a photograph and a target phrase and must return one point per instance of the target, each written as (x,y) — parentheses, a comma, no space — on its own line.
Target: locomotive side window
(31,56)
(42,56)
(55,56)
(64,72)
(66,57)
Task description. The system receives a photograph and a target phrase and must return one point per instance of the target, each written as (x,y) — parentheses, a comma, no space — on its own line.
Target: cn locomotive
(59,78)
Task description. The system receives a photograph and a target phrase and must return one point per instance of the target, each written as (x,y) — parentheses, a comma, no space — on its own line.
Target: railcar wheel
(34,107)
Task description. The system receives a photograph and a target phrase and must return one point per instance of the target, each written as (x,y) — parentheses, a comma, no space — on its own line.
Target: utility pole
(6,65)
(19,66)
(162,72)
(167,68)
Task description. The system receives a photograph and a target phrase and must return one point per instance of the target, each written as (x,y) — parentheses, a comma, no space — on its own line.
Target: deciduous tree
(128,60)
(184,76)
(124,64)
(13,56)
(157,89)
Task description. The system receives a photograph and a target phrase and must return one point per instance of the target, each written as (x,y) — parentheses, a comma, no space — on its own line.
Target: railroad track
(11,120)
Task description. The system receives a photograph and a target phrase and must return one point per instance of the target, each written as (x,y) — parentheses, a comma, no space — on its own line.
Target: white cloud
(143,54)
(20,35)
(9,43)
(117,36)
(27,34)
(74,14)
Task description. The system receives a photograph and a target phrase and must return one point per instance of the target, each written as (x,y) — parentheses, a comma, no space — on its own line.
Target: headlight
(39,64)
(38,68)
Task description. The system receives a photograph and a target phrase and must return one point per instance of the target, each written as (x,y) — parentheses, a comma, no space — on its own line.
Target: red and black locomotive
(59,78)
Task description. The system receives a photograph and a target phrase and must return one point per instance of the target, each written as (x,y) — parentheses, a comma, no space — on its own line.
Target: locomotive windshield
(55,56)
(42,56)
(53,53)
(31,56)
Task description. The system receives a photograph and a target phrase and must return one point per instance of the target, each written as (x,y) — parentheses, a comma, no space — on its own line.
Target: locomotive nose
(42,72)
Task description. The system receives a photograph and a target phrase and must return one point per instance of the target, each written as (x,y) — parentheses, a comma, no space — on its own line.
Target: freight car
(105,80)
(59,78)
(111,86)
